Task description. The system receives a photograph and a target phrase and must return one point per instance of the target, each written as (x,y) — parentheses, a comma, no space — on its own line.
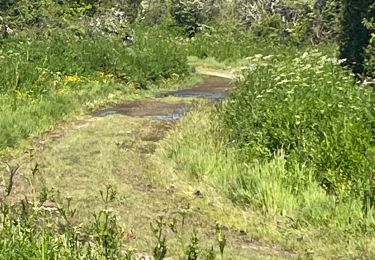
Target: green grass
(311,109)
(46,80)
(122,153)
(284,168)
(228,45)
(308,224)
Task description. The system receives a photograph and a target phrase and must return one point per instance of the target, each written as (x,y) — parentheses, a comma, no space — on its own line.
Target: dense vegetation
(295,139)
(310,112)
(49,78)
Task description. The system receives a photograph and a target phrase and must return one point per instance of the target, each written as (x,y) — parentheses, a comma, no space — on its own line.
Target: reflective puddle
(211,88)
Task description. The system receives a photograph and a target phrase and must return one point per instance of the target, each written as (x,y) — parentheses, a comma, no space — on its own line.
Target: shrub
(327,19)
(33,64)
(191,15)
(311,109)
(226,44)
(156,12)
(277,20)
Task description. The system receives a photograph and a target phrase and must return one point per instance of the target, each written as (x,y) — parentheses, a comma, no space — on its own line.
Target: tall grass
(293,142)
(44,79)
(309,107)
(286,198)
(230,45)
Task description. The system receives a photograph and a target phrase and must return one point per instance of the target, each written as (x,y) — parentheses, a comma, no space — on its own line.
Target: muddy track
(114,145)
(212,88)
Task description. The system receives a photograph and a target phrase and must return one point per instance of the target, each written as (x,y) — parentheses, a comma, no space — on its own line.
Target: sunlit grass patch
(311,108)
(287,196)
(45,80)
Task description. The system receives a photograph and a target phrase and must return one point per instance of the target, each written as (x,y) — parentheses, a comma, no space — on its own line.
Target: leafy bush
(307,106)
(296,22)
(32,65)
(192,14)
(370,58)
(327,19)
(156,12)
(250,11)
(229,45)
(23,14)
(277,20)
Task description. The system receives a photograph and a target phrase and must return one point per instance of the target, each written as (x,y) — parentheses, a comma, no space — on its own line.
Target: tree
(370,50)
(355,36)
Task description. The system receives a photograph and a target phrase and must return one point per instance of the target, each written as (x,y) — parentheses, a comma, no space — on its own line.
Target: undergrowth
(312,110)
(46,78)
(308,221)
(294,142)
(45,225)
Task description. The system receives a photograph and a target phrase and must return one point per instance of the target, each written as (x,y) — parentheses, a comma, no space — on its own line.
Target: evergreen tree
(354,36)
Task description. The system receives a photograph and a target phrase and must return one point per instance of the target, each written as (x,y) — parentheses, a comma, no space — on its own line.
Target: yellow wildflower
(73,78)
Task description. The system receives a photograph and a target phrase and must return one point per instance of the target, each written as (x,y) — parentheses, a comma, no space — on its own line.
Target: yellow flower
(73,78)
(105,74)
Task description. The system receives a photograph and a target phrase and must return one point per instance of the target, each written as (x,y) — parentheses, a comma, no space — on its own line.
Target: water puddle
(148,108)
(211,88)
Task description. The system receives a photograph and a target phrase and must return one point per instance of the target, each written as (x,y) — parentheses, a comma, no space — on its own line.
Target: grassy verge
(102,185)
(272,213)
(46,80)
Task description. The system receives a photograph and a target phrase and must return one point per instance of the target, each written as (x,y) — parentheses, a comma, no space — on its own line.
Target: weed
(160,250)
(193,249)
(314,112)
(221,239)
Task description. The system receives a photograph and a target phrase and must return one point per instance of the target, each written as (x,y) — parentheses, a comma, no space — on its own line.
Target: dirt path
(115,147)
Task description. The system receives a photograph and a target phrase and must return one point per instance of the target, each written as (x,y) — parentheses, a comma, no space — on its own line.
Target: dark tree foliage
(327,19)
(354,36)
(5,4)
(370,50)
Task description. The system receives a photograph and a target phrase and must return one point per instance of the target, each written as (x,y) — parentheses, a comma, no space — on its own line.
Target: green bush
(156,12)
(226,44)
(370,58)
(280,21)
(327,19)
(192,15)
(307,106)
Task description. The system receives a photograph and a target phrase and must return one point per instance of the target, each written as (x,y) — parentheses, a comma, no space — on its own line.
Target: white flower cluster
(110,23)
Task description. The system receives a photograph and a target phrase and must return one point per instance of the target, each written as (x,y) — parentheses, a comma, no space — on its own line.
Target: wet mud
(148,108)
(212,88)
